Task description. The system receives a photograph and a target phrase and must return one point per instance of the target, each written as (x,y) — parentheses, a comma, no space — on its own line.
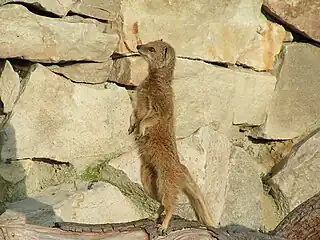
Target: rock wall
(246,100)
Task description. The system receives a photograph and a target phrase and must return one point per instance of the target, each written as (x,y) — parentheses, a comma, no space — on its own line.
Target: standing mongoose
(152,120)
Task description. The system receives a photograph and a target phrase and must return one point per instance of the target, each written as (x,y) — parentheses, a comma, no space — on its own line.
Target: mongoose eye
(151,49)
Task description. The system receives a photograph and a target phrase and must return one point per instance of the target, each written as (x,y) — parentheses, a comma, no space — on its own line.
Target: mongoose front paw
(131,129)
(137,137)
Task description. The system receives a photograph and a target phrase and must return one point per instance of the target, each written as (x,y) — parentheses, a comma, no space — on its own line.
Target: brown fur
(162,174)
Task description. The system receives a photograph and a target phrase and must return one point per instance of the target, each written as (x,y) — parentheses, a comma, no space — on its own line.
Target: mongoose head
(158,54)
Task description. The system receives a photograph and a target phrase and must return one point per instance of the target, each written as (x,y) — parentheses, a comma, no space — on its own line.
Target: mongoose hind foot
(162,231)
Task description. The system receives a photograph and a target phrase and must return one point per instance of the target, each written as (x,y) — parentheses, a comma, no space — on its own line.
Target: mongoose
(152,121)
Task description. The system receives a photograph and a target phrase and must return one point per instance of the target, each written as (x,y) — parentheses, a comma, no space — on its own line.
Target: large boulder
(244,192)
(26,177)
(60,8)
(207,153)
(101,9)
(104,10)
(298,179)
(224,31)
(302,15)
(9,86)
(129,71)
(60,120)
(294,108)
(79,202)
(206,93)
(94,73)
(44,39)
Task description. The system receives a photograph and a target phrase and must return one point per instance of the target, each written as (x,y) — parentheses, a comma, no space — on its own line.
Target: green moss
(110,156)
(131,190)
(91,174)
(106,173)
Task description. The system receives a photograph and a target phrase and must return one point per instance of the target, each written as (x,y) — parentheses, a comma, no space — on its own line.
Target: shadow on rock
(19,179)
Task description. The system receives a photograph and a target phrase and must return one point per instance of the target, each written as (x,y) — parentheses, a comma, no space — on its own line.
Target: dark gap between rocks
(24,62)
(298,36)
(21,66)
(263,140)
(77,82)
(127,87)
(37,159)
(244,66)
(220,64)
(2,63)
(51,161)
(2,108)
(37,9)
(115,55)
(71,13)
(282,164)
(67,63)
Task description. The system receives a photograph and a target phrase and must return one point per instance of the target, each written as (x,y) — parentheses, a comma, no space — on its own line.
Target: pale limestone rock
(234,32)
(231,185)
(26,177)
(252,97)
(129,71)
(9,86)
(206,93)
(264,46)
(206,154)
(303,15)
(294,108)
(299,179)
(129,163)
(244,191)
(102,203)
(57,119)
(101,9)
(41,39)
(85,72)
(60,8)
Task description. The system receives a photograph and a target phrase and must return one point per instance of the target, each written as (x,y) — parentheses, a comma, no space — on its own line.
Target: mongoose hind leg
(168,202)
(148,179)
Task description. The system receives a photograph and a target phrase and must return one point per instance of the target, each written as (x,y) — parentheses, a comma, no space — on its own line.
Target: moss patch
(128,188)
(91,174)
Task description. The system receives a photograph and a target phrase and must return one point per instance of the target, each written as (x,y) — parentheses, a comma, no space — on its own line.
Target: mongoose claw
(137,138)
(162,231)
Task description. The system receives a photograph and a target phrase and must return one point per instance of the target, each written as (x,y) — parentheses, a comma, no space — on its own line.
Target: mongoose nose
(138,47)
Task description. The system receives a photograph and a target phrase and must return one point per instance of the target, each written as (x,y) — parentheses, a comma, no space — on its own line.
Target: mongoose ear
(161,40)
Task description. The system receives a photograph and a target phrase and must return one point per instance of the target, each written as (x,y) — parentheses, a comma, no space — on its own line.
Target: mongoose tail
(196,199)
